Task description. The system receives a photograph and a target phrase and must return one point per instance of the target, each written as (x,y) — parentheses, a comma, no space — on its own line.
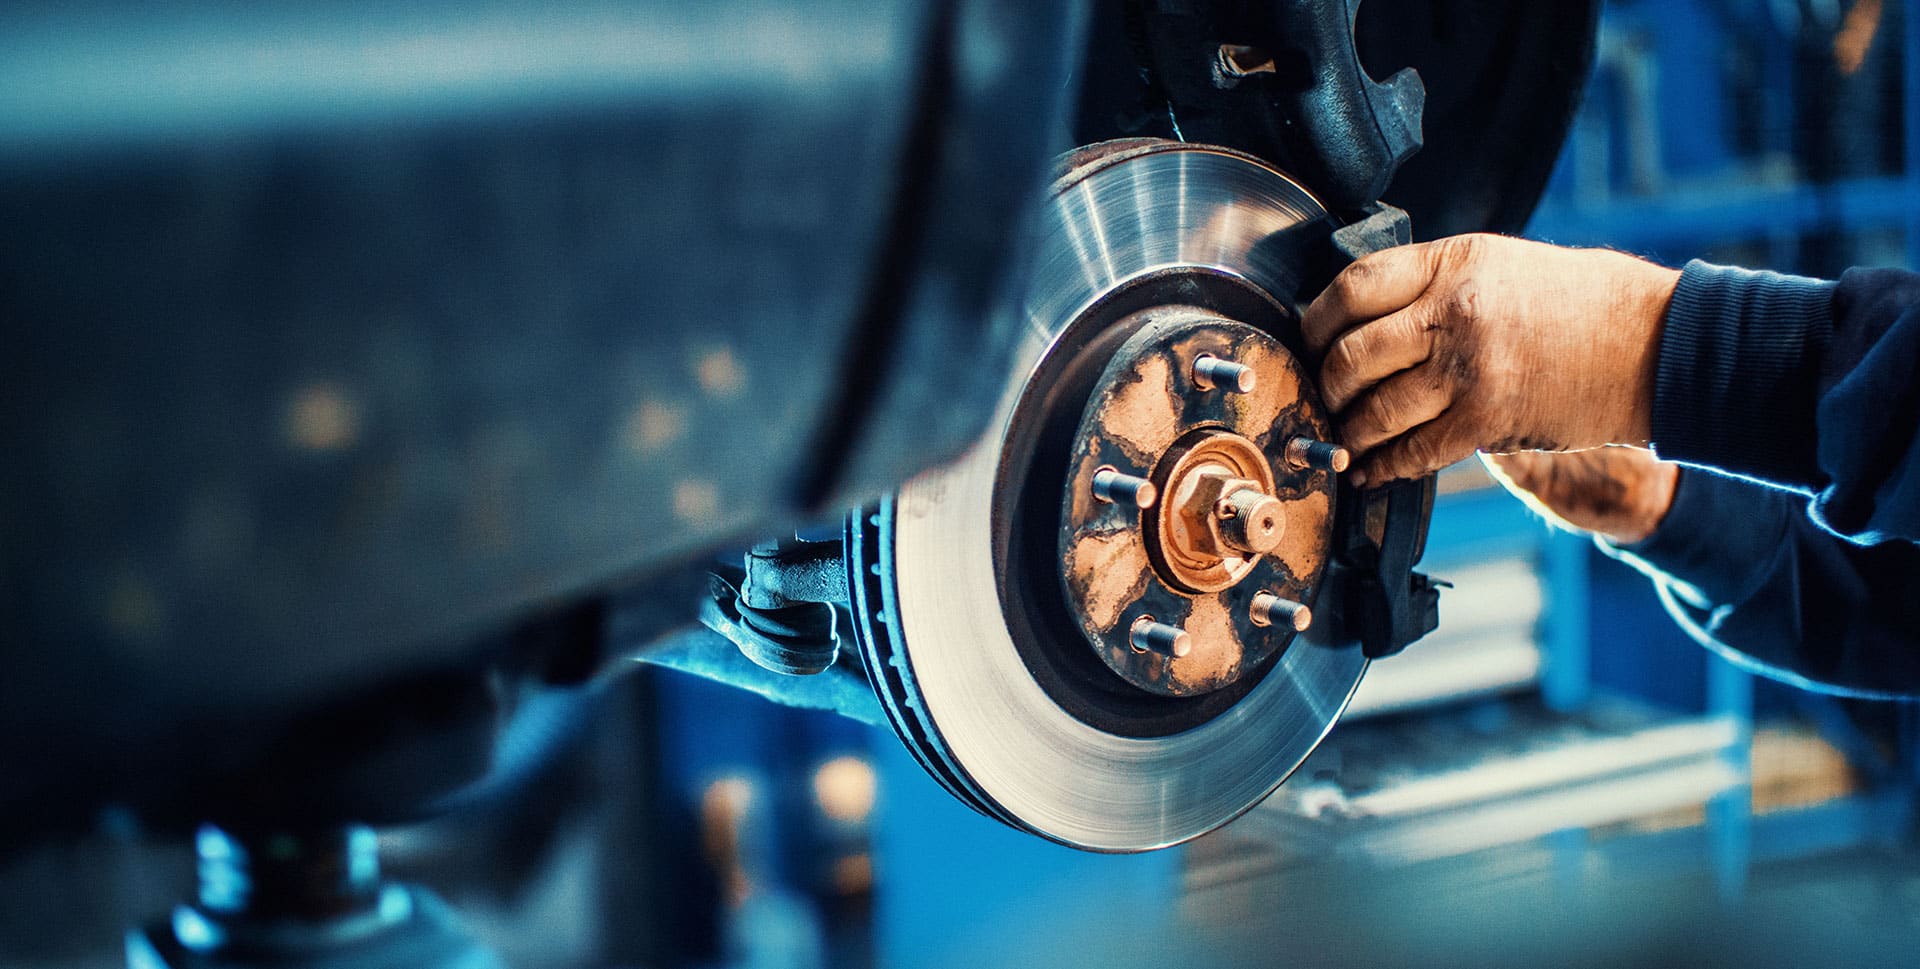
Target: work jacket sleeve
(1805,384)
(1746,571)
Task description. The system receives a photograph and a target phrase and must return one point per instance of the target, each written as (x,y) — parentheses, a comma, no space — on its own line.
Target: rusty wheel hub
(1219,516)
(1189,541)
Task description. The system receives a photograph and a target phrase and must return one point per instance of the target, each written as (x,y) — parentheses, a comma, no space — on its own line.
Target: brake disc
(1094,625)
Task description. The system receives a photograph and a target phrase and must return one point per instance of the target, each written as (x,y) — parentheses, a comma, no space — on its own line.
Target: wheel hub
(1220,516)
(1181,505)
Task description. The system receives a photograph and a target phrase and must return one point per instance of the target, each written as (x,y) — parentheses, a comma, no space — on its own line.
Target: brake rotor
(1089,626)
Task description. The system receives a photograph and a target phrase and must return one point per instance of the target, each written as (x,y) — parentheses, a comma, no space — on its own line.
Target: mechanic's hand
(1431,351)
(1623,493)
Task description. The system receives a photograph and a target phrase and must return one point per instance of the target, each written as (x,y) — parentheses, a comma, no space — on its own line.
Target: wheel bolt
(1210,371)
(1305,452)
(1111,486)
(1149,636)
(1271,610)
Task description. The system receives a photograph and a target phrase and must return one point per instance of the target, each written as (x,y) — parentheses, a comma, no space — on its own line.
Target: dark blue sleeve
(1801,383)
(1749,574)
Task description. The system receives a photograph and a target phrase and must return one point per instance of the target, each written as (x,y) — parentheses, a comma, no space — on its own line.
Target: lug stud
(1148,636)
(1271,610)
(1210,371)
(1110,485)
(1305,452)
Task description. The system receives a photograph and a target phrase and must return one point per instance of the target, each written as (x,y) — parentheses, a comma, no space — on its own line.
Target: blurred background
(1559,774)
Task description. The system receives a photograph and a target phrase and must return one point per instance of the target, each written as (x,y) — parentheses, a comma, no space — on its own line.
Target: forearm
(1736,381)
(1802,383)
(1747,572)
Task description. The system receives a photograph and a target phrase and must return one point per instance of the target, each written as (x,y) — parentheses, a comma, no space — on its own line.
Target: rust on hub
(1220,515)
(1164,589)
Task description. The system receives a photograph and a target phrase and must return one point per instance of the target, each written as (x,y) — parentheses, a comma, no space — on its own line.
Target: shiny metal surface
(1184,206)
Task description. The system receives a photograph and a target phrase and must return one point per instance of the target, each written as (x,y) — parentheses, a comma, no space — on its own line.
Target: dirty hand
(1432,351)
(1623,493)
